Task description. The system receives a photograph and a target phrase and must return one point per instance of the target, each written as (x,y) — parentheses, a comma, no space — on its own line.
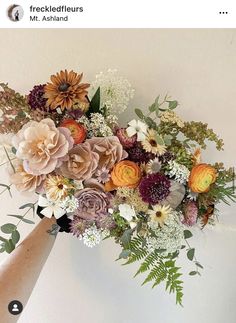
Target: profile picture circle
(15,12)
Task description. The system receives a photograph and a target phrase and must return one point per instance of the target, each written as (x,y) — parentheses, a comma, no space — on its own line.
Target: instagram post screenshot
(117,161)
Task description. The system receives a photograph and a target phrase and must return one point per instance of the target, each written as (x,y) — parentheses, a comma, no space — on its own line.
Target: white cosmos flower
(137,127)
(50,208)
(128,213)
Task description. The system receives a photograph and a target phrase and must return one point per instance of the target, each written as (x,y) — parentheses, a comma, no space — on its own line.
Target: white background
(197,67)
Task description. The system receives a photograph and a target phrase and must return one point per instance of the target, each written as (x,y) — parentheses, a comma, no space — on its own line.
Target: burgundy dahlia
(36,98)
(154,188)
(138,155)
(125,140)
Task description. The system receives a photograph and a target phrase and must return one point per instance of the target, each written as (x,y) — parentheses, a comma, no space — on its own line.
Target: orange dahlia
(201,177)
(65,90)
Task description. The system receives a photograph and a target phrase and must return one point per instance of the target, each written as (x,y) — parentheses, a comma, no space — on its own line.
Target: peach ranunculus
(78,132)
(42,146)
(126,174)
(81,164)
(201,177)
(109,149)
(25,182)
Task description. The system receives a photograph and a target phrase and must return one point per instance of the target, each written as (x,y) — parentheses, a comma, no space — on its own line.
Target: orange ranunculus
(78,132)
(201,177)
(126,174)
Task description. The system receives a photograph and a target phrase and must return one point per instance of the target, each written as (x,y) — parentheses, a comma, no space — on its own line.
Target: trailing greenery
(160,268)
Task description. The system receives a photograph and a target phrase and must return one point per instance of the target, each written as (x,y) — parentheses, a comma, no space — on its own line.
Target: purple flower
(78,226)
(154,188)
(138,155)
(190,213)
(36,98)
(92,203)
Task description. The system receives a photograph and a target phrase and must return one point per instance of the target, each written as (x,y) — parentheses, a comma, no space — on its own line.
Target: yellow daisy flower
(57,187)
(151,145)
(159,214)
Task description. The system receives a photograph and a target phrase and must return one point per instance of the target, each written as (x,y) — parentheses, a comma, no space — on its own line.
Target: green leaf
(13,150)
(3,239)
(8,188)
(8,228)
(2,248)
(172,104)
(21,218)
(152,108)
(9,246)
(159,139)
(139,113)
(15,236)
(124,254)
(169,263)
(190,254)
(95,103)
(187,234)
(126,237)
(167,139)
(150,123)
(193,273)
(31,205)
(199,265)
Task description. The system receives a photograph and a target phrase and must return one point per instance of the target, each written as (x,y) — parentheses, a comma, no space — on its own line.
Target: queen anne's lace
(179,172)
(116,91)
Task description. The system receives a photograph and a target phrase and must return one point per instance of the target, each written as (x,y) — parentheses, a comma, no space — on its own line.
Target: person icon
(15,308)
(17,15)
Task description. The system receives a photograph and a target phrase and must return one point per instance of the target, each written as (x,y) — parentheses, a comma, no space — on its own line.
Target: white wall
(197,67)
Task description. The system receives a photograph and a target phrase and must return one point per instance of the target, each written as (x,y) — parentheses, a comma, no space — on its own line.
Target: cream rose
(42,146)
(109,149)
(81,163)
(25,182)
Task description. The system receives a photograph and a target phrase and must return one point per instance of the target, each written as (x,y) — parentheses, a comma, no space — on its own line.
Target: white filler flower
(115,91)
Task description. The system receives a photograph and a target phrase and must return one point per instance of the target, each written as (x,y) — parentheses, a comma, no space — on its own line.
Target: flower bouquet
(143,184)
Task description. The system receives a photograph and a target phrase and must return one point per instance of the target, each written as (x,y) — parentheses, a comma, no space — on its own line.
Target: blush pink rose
(42,146)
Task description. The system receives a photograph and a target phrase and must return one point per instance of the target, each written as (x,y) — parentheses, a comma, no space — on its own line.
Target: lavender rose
(92,203)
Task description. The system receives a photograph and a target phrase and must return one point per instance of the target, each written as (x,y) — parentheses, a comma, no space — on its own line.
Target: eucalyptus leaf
(124,254)
(20,217)
(139,113)
(8,228)
(190,254)
(9,246)
(167,139)
(15,236)
(126,237)
(153,107)
(13,150)
(151,124)
(159,140)
(192,273)
(199,265)
(31,205)
(2,248)
(3,239)
(187,234)
(172,104)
